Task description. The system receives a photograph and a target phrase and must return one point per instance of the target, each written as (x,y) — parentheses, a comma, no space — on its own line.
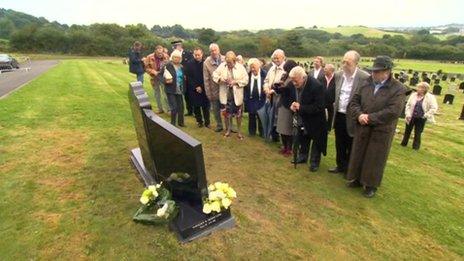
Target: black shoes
(200,125)
(354,184)
(313,168)
(369,192)
(218,129)
(336,170)
(300,160)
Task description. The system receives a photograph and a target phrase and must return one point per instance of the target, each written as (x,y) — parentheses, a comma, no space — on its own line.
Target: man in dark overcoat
(376,107)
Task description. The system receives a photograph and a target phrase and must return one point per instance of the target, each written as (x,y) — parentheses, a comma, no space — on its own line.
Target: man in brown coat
(153,64)
(376,107)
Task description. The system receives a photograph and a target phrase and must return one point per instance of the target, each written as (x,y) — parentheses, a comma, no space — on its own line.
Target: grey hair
(278,51)
(355,55)
(175,53)
(330,66)
(297,71)
(213,45)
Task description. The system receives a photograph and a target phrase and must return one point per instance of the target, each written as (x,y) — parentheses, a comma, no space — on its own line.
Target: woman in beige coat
(421,107)
(231,77)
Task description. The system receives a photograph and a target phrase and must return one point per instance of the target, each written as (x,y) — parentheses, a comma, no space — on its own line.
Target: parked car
(7,62)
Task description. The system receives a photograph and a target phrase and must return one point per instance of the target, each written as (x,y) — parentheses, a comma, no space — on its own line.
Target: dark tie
(254,92)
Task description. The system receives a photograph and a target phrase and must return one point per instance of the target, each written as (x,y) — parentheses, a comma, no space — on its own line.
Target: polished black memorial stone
(169,155)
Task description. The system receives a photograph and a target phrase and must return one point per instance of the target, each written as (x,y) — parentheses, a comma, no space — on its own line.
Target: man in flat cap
(376,107)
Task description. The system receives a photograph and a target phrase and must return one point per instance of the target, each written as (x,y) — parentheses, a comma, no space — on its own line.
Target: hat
(176,42)
(381,62)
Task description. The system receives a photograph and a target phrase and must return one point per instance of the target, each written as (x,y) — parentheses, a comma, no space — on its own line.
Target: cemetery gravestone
(169,155)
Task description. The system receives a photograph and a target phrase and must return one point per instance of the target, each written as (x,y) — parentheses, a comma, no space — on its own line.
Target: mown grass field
(68,189)
(366,31)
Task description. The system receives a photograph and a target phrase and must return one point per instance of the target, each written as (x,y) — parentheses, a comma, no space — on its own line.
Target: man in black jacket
(196,88)
(135,61)
(305,96)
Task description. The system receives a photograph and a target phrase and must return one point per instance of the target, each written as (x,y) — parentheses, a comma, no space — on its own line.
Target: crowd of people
(287,104)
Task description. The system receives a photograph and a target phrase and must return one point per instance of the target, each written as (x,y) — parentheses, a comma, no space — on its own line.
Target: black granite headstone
(414,80)
(461,86)
(427,80)
(437,81)
(449,98)
(444,77)
(436,90)
(169,155)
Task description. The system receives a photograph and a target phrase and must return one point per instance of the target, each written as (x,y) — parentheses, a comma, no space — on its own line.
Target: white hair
(254,61)
(297,71)
(211,46)
(175,53)
(278,51)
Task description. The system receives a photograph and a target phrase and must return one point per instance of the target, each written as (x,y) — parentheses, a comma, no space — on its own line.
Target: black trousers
(343,141)
(188,104)
(253,121)
(198,114)
(418,125)
(330,115)
(305,143)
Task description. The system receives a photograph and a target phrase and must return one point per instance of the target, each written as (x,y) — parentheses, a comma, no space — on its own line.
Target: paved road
(9,81)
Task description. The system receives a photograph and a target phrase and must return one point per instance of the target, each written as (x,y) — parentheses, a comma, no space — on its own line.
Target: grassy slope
(366,31)
(67,188)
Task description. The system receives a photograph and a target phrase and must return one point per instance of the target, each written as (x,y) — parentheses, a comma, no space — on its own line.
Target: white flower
(206,208)
(144,200)
(213,195)
(220,194)
(211,187)
(159,185)
(161,211)
(153,190)
(231,193)
(226,202)
(215,206)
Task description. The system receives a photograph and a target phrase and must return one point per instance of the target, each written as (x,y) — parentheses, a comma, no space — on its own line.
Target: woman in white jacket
(231,77)
(421,107)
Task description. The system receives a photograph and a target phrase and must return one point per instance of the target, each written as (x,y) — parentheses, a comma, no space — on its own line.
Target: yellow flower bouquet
(220,196)
(157,206)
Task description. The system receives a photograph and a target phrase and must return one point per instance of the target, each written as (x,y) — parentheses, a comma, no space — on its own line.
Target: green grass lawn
(68,189)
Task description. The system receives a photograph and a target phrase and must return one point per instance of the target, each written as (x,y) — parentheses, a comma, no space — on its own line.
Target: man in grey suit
(347,83)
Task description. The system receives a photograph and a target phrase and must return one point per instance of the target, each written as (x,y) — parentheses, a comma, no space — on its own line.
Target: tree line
(27,33)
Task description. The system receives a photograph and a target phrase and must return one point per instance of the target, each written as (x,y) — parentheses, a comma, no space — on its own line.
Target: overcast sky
(245,14)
